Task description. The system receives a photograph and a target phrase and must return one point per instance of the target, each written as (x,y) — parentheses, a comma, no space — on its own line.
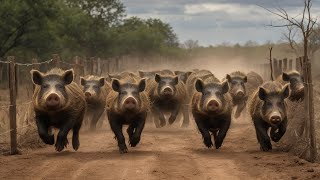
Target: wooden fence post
(12,108)
(99,67)
(16,73)
(298,67)
(275,68)
(310,108)
(91,65)
(76,69)
(36,67)
(285,64)
(280,68)
(56,60)
(290,64)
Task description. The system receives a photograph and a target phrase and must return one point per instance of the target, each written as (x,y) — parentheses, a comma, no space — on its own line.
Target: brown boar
(58,102)
(211,109)
(267,109)
(127,104)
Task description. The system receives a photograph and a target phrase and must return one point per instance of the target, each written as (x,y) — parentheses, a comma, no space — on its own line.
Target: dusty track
(167,153)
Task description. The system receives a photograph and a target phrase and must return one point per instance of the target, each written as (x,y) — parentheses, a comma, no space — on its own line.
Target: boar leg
(75,135)
(136,136)
(43,129)
(116,127)
(158,113)
(174,113)
(95,118)
(205,133)
(239,109)
(222,133)
(262,135)
(185,111)
(62,140)
(276,136)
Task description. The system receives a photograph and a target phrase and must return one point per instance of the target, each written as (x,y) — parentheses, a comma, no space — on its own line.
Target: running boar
(167,95)
(95,90)
(296,84)
(237,90)
(211,109)
(268,110)
(58,102)
(127,104)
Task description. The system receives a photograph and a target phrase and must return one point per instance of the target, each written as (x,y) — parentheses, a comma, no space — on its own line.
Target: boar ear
(36,77)
(141,74)
(225,87)
(82,81)
(177,72)
(108,79)
(228,77)
(115,85)
(157,78)
(262,93)
(245,79)
(188,74)
(142,85)
(101,81)
(68,76)
(285,91)
(176,80)
(285,77)
(199,85)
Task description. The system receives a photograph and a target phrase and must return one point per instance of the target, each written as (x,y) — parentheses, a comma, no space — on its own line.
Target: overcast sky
(217,21)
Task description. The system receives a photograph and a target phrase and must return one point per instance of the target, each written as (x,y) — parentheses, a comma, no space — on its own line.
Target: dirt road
(167,153)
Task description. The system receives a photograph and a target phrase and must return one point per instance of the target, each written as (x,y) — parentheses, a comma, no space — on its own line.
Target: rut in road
(166,153)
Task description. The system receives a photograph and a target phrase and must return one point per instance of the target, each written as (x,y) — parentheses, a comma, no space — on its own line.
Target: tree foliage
(79,27)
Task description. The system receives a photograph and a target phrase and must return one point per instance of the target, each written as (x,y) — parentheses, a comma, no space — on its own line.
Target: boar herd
(132,99)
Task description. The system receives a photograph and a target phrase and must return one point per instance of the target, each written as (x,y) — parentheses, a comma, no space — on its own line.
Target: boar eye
(45,86)
(123,93)
(268,103)
(280,103)
(59,86)
(95,87)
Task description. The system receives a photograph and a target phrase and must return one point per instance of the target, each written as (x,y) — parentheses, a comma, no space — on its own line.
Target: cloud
(217,21)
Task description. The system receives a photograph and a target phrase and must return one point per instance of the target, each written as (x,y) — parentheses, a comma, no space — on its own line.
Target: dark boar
(58,102)
(237,90)
(127,104)
(95,90)
(211,109)
(296,84)
(167,95)
(268,110)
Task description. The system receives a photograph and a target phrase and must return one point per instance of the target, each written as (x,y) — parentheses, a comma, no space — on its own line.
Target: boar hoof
(123,149)
(265,148)
(50,140)
(75,144)
(162,123)
(172,119)
(60,145)
(218,144)
(134,141)
(275,137)
(208,142)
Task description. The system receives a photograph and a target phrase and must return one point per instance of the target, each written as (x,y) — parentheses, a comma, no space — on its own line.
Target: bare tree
(303,24)
(191,44)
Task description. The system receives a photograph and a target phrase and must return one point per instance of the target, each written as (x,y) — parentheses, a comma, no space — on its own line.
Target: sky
(213,22)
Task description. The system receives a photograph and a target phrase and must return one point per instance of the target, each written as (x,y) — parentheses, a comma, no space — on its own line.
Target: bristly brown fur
(112,98)
(76,100)
(196,98)
(104,90)
(255,101)
(152,85)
